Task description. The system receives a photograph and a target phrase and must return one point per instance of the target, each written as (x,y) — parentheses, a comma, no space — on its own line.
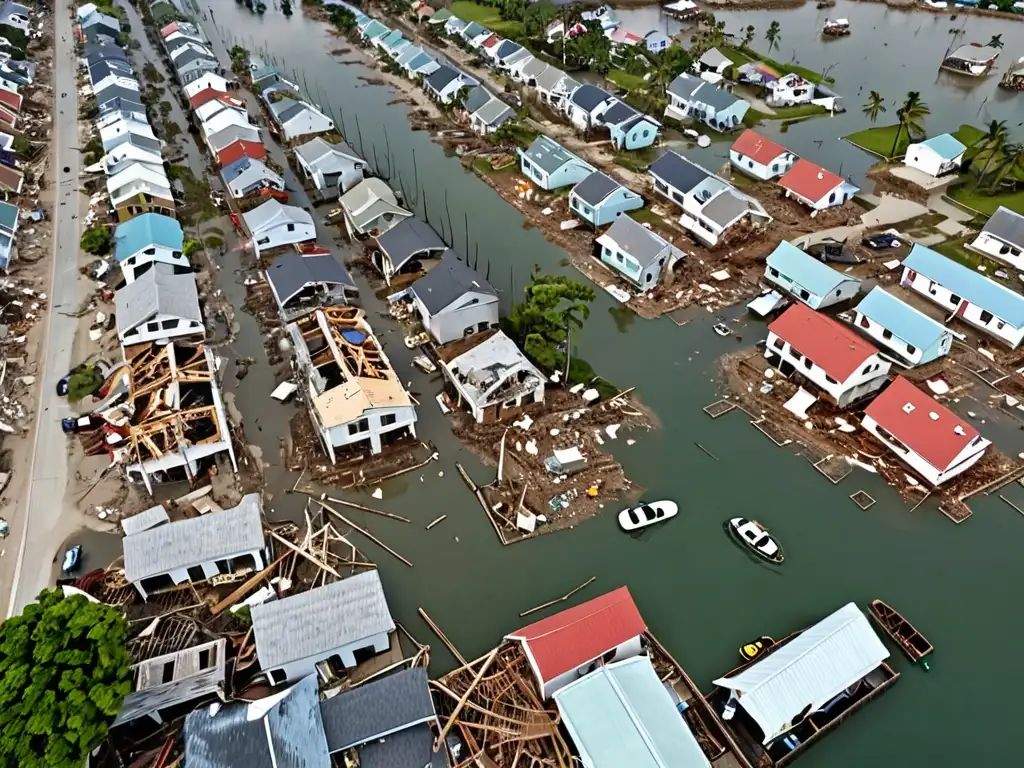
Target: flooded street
(700,595)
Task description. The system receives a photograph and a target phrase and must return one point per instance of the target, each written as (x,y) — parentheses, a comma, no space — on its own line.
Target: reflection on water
(622,316)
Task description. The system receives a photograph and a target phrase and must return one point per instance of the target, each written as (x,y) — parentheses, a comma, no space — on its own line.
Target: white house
(585,105)
(371,208)
(273,225)
(554,86)
(571,643)
(208,80)
(137,178)
(453,301)
(1002,238)
(967,294)
(754,155)
(355,397)
(492,379)
(410,240)
(160,304)
(333,622)
(936,156)
(815,187)
(804,277)
(712,62)
(298,119)
(445,81)
(333,168)
(551,166)
(829,355)
(247,175)
(907,332)
(788,91)
(639,254)
(691,98)
(491,116)
(147,239)
(928,437)
(205,111)
(196,548)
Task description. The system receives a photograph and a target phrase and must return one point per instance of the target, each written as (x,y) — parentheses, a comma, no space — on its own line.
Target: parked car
(74,424)
(881,241)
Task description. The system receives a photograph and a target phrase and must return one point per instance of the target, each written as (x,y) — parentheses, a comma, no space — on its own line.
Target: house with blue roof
(386,42)
(421,64)
(913,336)
(373,29)
(550,166)
(148,239)
(936,156)
(807,279)
(969,295)
(629,128)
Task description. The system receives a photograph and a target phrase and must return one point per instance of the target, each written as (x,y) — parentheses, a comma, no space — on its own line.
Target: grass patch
(198,205)
(644,216)
(625,80)
(797,112)
(968,135)
(487,16)
(970,196)
(637,160)
(878,141)
(745,56)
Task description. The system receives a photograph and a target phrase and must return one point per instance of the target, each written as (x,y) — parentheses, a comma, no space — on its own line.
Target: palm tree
(993,144)
(1011,161)
(911,115)
(748,35)
(667,66)
(773,36)
(875,106)
(996,41)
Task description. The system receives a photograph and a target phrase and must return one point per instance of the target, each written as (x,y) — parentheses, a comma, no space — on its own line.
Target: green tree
(97,240)
(911,114)
(590,49)
(748,35)
(667,66)
(286,7)
(544,320)
(189,247)
(343,19)
(773,36)
(537,17)
(874,106)
(65,671)
(238,55)
(991,145)
(83,381)
(996,41)
(1010,162)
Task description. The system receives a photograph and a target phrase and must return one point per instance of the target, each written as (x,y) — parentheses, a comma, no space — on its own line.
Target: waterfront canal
(700,595)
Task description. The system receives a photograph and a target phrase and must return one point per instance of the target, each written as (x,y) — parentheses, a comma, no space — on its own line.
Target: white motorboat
(722,329)
(647,514)
(756,538)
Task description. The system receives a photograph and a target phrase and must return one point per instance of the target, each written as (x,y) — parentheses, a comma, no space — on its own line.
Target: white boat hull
(663,509)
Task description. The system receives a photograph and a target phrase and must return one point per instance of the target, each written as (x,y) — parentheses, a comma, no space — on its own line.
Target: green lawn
(625,80)
(970,196)
(968,135)
(878,141)
(487,16)
(747,55)
(644,216)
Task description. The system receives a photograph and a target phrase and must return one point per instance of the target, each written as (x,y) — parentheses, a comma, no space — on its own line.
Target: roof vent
(959,430)
(821,175)
(908,408)
(933,416)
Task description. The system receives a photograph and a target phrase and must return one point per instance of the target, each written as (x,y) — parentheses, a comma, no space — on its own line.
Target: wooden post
(465,697)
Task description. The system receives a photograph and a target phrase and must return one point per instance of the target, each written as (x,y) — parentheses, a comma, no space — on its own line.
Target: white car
(647,514)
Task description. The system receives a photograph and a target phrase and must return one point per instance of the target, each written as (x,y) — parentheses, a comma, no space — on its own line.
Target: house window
(911,349)
(954,299)
(796,355)
(649,277)
(646,133)
(986,317)
(677,197)
(775,168)
(808,364)
(150,251)
(887,435)
(773,271)
(805,295)
(832,197)
(388,419)
(864,322)
(750,163)
(363,425)
(830,380)
(778,343)
(605,250)
(291,227)
(152,326)
(1000,325)
(170,324)
(886,334)
(867,368)
(618,258)
(660,186)
(585,210)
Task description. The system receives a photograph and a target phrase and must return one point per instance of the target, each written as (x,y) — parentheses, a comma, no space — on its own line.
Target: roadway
(44,515)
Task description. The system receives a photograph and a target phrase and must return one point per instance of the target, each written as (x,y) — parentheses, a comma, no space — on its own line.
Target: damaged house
(353,394)
(454,301)
(490,376)
(302,283)
(197,548)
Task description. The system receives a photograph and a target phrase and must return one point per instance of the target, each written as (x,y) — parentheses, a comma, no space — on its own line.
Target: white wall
(145,332)
(848,289)
(296,670)
(972,314)
(997,249)
(279,235)
(210,569)
(452,322)
(157,253)
(306,123)
(751,167)
(967,458)
(405,418)
(877,332)
(868,377)
(626,650)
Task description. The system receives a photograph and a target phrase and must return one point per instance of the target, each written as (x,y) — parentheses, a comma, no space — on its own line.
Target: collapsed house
(353,394)
(162,417)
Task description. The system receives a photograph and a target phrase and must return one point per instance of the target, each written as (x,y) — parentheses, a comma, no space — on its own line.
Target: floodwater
(699,594)
(888,51)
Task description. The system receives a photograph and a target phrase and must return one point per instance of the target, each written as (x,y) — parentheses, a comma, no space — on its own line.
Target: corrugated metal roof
(621,715)
(811,669)
(905,322)
(1007,225)
(1005,304)
(945,146)
(805,270)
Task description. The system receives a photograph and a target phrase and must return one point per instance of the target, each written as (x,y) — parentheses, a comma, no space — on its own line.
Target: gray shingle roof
(714,58)
(157,291)
(272,213)
(441,77)
(203,539)
(715,97)
(618,114)
(114,91)
(1007,226)
(289,735)
(588,97)
(328,157)
(494,113)
(678,172)
(409,748)
(143,521)
(446,282)
(291,272)
(408,238)
(549,78)
(506,49)
(321,620)
(636,240)
(595,188)
(725,207)
(684,85)
(476,98)
(548,154)
(291,112)
(378,708)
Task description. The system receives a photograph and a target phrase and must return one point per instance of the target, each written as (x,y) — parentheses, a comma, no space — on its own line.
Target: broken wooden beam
(435,522)
(363,531)
(353,505)
(561,599)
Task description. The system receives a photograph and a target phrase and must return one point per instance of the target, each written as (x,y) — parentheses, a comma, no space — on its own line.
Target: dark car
(62,386)
(73,424)
(881,241)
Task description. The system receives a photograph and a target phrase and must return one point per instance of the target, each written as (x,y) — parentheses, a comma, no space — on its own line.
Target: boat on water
(836,28)
(904,634)
(753,650)
(722,329)
(647,514)
(424,363)
(756,538)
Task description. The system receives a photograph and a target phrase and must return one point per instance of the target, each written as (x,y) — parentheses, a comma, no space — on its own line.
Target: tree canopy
(540,322)
(590,49)
(64,672)
(97,240)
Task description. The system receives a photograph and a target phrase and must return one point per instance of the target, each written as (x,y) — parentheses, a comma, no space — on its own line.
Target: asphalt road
(45,515)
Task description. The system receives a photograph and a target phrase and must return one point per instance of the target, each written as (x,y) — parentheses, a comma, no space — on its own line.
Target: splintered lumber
(465,697)
(443,638)
(561,599)
(363,531)
(353,505)
(435,522)
(305,554)
(231,599)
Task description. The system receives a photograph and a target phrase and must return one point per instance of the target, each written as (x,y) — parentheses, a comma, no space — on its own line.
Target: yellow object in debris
(592,491)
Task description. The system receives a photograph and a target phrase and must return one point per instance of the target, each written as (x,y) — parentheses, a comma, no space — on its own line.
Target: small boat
(836,28)
(647,514)
(424,363)
(913,643)
(756,538)
(71,558)
(722,329)
(751,651)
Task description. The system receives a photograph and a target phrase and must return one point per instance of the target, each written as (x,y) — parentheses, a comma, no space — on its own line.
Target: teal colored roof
(945,146)
(621,715)
(903,320)
(1005,304)
(8,216)
(146,230)
(474,30)
(391,38)
(802,268)
(421,60)
(374,30)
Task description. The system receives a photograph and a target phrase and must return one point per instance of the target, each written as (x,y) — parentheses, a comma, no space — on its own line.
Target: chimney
(820,175)
(933,416)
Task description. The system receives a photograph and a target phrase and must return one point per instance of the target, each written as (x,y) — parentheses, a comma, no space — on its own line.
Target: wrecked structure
(353,394)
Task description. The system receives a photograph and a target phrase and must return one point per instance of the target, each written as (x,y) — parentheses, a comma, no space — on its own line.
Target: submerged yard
(879,140)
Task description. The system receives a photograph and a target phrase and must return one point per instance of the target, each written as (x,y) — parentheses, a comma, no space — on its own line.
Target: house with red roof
(840,363)
(754,155)
(239,149)
(928,437)
(815,187)
(204,96)
(565,647)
